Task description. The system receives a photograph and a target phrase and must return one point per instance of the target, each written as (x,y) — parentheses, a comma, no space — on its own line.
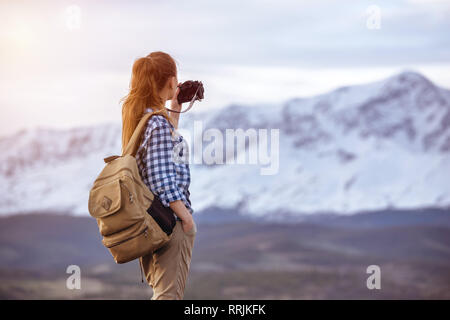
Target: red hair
(149,76)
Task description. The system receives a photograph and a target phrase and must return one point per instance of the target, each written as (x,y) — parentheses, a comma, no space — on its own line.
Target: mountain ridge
(366,147)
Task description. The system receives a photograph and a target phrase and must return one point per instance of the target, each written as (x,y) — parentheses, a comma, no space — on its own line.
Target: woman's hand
(174,105)
(187,223)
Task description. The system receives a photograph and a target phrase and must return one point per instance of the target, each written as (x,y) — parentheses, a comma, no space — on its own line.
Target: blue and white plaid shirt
(162,161)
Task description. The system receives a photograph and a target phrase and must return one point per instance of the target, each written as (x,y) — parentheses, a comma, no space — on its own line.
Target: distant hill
(325,257)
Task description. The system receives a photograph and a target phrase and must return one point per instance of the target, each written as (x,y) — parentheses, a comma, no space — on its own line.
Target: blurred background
(358,91)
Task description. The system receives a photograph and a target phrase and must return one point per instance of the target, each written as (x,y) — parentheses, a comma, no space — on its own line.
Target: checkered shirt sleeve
(165,177)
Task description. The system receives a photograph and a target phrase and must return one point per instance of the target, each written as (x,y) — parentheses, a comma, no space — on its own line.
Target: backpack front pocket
(114,205)
(105,200)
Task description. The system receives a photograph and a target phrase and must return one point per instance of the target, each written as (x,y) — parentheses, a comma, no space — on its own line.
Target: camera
(190,91)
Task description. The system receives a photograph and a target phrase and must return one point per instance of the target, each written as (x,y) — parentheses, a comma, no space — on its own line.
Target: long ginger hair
(148,78)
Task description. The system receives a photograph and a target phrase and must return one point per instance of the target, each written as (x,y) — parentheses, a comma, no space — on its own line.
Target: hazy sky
(67,63)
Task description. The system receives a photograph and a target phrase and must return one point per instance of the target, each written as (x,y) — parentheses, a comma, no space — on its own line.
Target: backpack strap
(132,145)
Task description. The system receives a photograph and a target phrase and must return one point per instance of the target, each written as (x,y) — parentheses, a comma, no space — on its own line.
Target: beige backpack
(119,200)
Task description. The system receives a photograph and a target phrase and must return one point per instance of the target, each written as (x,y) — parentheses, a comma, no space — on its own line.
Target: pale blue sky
(250,52)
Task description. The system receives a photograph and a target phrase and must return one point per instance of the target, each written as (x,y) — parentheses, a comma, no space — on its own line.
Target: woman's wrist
(180,210)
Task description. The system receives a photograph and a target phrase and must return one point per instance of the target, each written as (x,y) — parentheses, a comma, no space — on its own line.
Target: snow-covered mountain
(365,147)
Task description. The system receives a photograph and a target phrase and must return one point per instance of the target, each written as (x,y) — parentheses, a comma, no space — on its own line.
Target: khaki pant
(167,268)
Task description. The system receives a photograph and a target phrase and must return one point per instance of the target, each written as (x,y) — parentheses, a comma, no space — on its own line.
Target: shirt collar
(148,109)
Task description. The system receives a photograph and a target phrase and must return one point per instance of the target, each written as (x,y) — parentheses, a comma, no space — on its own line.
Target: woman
(153,82)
